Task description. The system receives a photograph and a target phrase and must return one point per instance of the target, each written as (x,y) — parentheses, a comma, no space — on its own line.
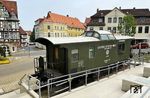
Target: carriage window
(96,35)
(121,47)
(89,34)
(91,53)
(111,37)
(104,37)
(75,55)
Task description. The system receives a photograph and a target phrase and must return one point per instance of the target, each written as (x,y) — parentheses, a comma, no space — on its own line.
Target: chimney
(67,15)
(120,8)
(49,12)
(97,9)
(134,8)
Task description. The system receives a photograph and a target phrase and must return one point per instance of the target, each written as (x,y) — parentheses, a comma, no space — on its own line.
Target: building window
(100,28)
(146,29)
(114,29)
(13,25)
(115,20)
(91,53)
(120,19)
(13,48)
(48,27)
(75,55)
(100,20)
(109,20)
(109,28)
(57,27)
(91,28)
(140,30)
(49,34)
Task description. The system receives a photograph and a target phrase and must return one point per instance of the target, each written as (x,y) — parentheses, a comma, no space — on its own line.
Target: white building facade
(109,20)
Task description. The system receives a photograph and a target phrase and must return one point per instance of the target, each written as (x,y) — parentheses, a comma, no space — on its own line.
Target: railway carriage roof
(103,32)
(118,37)
(80,39)
(66,40)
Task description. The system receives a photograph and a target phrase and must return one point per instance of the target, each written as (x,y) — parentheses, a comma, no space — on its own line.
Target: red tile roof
(87,20)
(21,31)
(70,21)
(11,6)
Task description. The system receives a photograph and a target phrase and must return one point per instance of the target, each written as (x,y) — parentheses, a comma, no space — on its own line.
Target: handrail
(69,77)
(21,79)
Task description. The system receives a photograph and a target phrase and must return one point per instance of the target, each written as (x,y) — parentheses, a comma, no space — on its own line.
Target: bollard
(69,83)
(108,71)
(86,75)
(98,74)
(48,88)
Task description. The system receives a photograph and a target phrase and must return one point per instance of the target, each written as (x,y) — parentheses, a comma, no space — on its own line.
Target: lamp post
(29,49)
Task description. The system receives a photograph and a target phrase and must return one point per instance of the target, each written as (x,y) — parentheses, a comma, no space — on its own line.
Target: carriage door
(63,60)
(60,55)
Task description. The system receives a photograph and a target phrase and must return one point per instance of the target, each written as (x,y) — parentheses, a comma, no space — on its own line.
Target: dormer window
(100,20)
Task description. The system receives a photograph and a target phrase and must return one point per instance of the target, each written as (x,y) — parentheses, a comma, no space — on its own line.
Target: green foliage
(32,37)
(127,26)
(3,58)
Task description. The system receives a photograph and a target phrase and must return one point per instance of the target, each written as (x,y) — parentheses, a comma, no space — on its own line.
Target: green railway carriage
(92,49)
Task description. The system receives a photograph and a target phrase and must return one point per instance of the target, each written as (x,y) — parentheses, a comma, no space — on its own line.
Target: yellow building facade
(55,25)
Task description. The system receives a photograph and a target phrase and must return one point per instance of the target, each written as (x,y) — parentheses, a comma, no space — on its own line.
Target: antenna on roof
(97,9)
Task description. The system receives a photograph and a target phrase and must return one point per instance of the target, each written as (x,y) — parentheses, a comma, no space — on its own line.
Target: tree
(32,37)
(127,26)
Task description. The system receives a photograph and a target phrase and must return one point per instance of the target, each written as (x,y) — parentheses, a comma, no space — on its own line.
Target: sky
(31,10)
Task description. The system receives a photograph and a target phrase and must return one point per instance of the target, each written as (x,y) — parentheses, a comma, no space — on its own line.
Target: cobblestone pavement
(10,82)
(21,64)
(11,74)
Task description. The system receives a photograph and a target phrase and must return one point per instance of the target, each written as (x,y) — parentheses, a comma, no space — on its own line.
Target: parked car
(143,46)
